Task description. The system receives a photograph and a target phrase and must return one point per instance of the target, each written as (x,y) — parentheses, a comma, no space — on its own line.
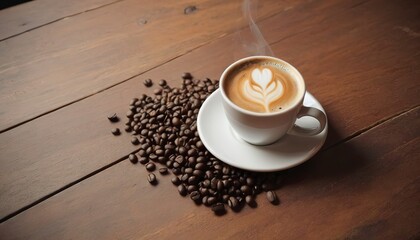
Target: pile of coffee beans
(164,126)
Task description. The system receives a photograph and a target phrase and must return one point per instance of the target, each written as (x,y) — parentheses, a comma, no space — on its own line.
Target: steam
(253,42)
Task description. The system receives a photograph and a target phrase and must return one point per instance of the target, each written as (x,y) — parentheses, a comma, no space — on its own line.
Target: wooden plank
(24,17)
(50,152)
(368,187)
(68,60)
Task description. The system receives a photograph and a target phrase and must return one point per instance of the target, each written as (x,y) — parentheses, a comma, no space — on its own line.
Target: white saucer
(291,150)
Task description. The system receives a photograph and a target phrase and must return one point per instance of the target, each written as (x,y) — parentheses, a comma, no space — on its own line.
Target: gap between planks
(59,19)
(71,184)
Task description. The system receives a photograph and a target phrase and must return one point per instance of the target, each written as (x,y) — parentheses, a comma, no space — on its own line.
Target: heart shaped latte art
(263,88)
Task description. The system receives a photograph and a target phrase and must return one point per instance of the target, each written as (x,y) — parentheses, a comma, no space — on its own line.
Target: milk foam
(263,88)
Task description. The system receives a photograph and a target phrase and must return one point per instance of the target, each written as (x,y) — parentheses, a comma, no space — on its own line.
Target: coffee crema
(261,86)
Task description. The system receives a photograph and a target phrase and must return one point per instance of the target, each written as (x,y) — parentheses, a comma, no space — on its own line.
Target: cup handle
(312,112)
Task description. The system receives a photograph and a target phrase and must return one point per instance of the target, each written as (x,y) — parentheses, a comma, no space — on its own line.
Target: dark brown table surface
(65,65)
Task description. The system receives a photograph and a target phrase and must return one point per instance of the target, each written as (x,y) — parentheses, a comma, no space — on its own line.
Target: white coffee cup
(265,128)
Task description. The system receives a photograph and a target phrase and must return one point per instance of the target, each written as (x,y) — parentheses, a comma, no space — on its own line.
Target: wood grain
(60,63)
(368,187)
(30,15)
(59,148)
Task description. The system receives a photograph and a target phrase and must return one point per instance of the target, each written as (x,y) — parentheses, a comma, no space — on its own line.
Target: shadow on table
(332,163)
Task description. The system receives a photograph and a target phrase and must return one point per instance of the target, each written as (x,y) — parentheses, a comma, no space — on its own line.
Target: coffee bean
(200,166)
(272,197)
(163,171)
(182,190)
(150,166)
(116,131)
(220,186)
(204,200)
(157,91)
(192,180)
(197,173)
(186,75)
(195,196)
(135,141)
(233,202)
(176,121)
(162,82)
(245,189)
(218,208)
(250,200)
(176,181)
(113,117)
(180,159)
(127,128)
(143,160)
(192,152)
(148,82)
(211,200)
(151,178)
(191,188)
(132,158)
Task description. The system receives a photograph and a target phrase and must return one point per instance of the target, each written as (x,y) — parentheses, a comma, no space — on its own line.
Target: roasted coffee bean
(182,150)
(135,141)
(127,128)
(157,91)
(176,181)
(163,171)
(159,152)
(250,200)
(233,202)
(191,188)
(151,178)
(245,189)
(199,145)
(211,200)
(186,75)
(153,157)
(182,189)
(195,196)
(206,183)
(150,166)
(162,82)
(180,159)
(116,131)
(143,160)
(192,180)
(132,158)
(176,121)
(218,208)
(250,181)
(113,117)
(200,166)
(184,177)
(192,152)
(148,82)
(220,186)
(272,197)
(204,200)
(197,173)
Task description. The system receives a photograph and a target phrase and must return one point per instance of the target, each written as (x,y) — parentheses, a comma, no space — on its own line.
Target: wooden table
(65,65)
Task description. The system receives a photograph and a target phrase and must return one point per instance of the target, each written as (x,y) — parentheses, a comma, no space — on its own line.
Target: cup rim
(248,112)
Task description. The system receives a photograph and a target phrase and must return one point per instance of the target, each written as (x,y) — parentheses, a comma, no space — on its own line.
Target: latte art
(263,88)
